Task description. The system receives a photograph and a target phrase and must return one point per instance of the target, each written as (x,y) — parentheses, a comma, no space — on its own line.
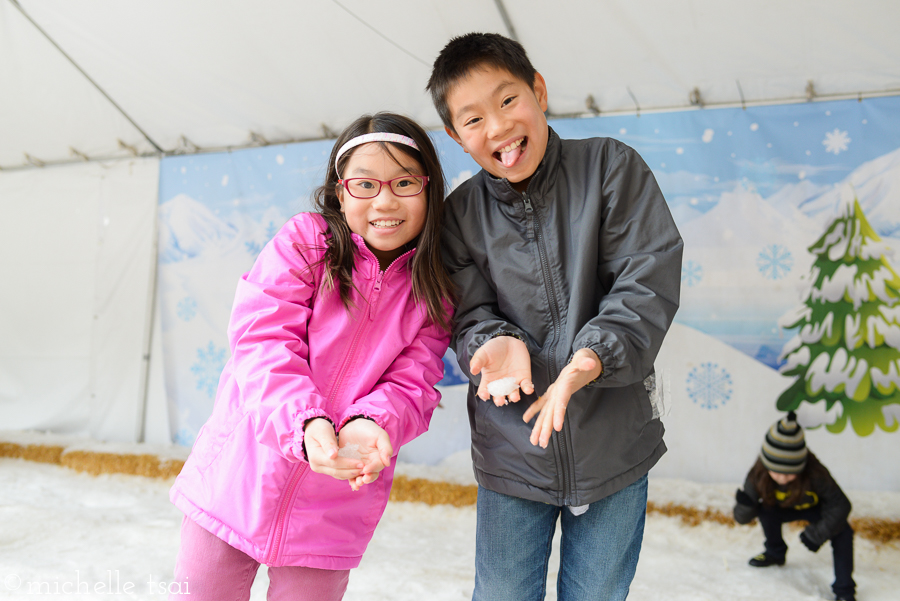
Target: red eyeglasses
(369,187)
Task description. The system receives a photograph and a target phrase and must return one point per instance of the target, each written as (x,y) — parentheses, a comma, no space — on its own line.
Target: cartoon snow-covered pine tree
(847,349)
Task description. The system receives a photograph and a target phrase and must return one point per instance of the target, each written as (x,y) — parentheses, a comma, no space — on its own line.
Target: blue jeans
(598,554)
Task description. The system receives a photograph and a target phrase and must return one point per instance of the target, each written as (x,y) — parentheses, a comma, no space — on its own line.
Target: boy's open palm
(366,442)
(502,357)
(550,408)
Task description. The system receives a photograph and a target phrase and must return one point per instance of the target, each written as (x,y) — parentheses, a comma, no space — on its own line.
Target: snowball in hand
(351,451)
(502,387)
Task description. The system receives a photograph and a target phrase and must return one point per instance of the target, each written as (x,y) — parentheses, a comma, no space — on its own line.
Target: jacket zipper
(561,445)
(299,470)
(376,291)
(296,473)
(379,278)
(373,300)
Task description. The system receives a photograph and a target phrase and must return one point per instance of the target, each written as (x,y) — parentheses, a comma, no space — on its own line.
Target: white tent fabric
(79,252)
(214,74)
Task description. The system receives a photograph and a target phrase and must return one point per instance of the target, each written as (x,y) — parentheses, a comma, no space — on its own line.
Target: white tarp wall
(77,258)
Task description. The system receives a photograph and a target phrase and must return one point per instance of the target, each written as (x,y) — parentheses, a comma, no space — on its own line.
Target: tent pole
(149,319)
(506,20)
(381,35)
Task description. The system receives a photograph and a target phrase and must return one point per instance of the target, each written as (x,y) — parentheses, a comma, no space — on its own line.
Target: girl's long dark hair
(765,486)
(430,282)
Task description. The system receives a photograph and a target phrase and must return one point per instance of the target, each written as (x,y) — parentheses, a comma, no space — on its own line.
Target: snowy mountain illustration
(788,199)
(743,218)
(804,204)
(684,213)
(187,228)
(877,186)
(256,233)
(741,269)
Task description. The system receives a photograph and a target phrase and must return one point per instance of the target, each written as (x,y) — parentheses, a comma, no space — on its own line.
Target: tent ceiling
(213,74)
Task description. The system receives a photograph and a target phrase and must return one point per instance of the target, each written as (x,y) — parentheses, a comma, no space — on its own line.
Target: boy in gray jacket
(568,269)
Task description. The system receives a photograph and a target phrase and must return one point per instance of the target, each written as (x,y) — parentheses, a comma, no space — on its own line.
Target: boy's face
(500,121)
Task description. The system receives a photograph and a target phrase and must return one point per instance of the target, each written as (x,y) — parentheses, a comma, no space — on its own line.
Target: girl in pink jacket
(336,339)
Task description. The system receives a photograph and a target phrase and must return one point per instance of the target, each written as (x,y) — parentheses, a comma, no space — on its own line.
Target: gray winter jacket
(587,257)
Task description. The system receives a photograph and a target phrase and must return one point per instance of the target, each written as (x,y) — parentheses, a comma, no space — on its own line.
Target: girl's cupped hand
(365,440)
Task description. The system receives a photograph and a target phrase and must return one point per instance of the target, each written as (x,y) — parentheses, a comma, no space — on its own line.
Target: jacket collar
(400,263)
(542,180)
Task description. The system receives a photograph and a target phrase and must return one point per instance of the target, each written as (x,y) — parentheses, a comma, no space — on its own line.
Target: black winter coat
(587,257)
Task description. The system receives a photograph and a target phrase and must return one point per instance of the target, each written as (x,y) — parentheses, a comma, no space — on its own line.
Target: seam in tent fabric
(16,4)
(381,35)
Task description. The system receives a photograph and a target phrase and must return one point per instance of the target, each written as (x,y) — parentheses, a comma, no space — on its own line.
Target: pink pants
(210,569)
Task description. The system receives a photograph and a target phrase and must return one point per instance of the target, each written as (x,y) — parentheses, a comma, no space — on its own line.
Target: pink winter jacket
(296,354)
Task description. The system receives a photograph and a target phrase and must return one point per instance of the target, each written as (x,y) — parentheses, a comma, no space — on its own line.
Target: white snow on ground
(69,535)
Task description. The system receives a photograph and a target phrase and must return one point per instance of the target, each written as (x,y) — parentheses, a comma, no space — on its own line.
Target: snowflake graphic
(836,141)
(187,308)
(271,230)
(185,437)
(208,368)
(252,247)
(774,261)
(691,273)
(709,385)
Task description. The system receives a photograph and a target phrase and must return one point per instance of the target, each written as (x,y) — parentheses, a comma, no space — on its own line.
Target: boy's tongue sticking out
(510,154)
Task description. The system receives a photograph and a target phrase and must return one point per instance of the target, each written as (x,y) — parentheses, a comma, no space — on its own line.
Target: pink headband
(374,137)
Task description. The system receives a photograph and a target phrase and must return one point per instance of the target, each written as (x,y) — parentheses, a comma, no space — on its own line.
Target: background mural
(752,191)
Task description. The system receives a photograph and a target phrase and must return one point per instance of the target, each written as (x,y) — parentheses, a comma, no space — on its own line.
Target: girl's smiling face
(386,222)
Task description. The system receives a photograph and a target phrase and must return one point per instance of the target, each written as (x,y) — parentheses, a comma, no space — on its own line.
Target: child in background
(787,484)
(568,268)
(337,336)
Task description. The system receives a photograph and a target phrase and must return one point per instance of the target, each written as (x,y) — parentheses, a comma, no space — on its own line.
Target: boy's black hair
(465,53)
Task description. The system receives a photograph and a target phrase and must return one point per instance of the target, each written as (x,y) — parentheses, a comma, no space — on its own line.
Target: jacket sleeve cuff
(354,412)
(477,340)
(508,333)
(298,447)
(606,361)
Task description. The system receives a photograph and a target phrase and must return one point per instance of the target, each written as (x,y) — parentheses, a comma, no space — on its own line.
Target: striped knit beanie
(784,448)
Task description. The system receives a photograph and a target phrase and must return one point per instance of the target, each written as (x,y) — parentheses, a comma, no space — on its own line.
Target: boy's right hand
(502,357)
(322,451)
